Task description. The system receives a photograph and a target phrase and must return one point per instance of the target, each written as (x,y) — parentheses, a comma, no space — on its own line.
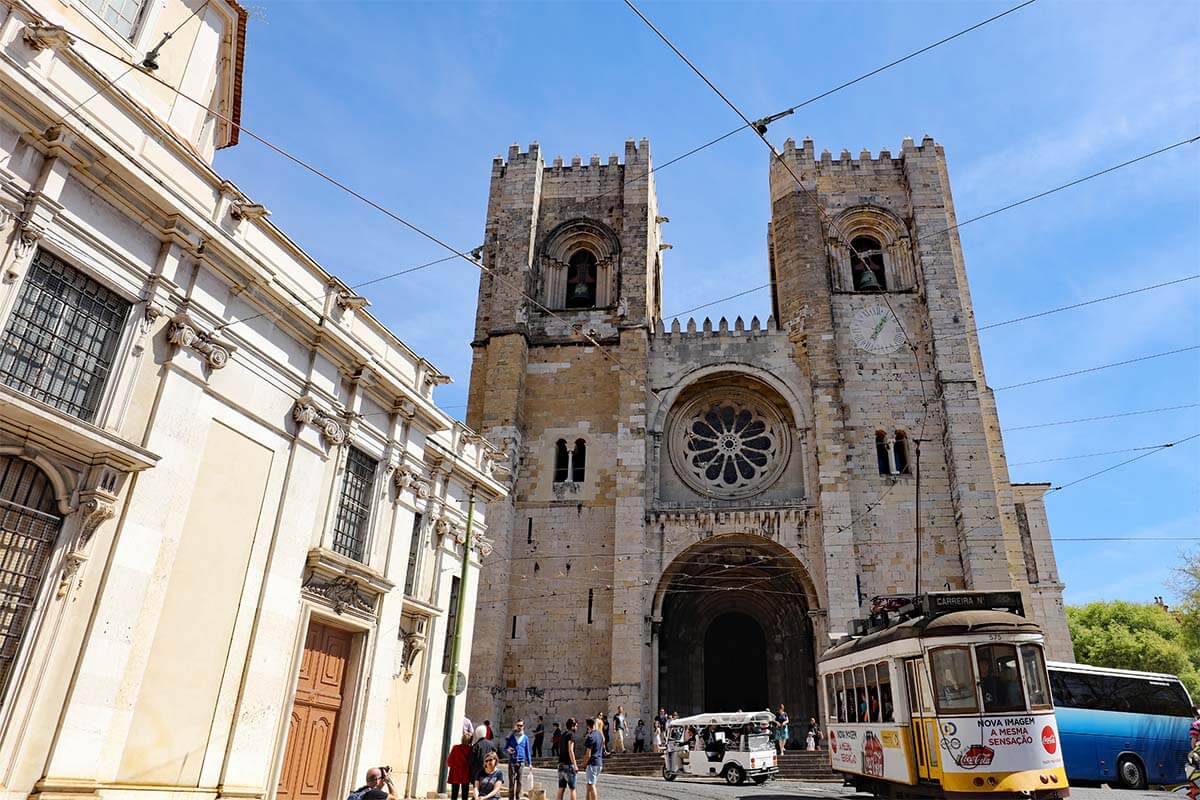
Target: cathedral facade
(701,508)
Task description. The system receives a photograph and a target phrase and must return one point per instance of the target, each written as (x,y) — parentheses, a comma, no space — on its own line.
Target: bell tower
(558,380)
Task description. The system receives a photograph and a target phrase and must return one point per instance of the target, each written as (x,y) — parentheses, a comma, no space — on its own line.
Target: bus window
(953,680)
(872,694)
(1035,671)
(830,699)
(999,678)
(885,692)
(860,694)
(840,684)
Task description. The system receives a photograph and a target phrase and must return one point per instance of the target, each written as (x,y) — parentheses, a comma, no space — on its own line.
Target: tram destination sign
(942,602)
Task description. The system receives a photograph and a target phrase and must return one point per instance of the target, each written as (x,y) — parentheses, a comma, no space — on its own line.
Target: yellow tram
(944,695)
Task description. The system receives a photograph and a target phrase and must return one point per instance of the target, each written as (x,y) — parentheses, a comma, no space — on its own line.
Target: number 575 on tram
(944,695)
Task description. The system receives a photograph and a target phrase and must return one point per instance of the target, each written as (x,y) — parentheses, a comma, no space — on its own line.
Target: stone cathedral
(701,508)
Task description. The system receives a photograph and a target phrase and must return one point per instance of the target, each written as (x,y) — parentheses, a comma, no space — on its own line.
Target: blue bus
(1120,726)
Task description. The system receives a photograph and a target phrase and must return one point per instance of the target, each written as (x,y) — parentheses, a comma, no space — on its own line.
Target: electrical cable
(1097,368)
(1102,417)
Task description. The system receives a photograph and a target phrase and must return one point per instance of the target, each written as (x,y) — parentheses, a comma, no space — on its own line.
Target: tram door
(924,722)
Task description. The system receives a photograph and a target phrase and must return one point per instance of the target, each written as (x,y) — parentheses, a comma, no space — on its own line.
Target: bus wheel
(1130,773)
(734,775)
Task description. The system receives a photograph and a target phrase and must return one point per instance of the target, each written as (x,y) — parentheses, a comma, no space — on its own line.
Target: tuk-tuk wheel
(759,779)
(668,775)
(734,775)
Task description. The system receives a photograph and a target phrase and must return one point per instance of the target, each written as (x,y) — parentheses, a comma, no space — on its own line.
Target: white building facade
(231,516)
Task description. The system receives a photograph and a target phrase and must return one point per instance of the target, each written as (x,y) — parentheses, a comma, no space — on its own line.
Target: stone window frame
(894,450)
(570,463)
(563,242)
(893,236)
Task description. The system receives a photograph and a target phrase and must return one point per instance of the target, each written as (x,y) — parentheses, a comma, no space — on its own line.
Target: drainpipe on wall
(456,647)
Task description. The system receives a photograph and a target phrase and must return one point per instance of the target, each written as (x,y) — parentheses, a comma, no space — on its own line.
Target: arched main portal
(735,631)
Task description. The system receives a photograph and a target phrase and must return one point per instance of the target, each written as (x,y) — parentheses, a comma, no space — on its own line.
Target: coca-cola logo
(977,755)
(1049,740)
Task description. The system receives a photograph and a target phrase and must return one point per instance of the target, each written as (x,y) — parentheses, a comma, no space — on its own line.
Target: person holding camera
(379,786)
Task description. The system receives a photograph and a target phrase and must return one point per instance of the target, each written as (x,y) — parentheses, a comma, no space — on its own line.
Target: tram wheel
(1131,773)
(734,775)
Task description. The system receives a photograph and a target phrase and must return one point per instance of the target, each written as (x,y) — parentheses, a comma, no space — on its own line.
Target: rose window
(728,443)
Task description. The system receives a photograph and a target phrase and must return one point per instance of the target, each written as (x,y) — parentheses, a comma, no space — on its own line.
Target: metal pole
(455,648)
(918,514)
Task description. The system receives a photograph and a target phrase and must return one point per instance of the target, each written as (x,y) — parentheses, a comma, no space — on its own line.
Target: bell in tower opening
(581,280)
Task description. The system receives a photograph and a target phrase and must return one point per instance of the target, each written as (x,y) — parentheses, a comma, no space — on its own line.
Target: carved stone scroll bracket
(413,644)
(24,247)
(307,412)
(46,37)
(184,333)
(94,508)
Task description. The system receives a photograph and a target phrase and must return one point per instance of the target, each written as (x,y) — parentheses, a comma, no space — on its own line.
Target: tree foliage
(1141,636)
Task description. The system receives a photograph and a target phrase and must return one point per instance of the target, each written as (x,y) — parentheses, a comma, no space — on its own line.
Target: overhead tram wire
(366,200)
(1098,418)
(1097,368)
(691,152)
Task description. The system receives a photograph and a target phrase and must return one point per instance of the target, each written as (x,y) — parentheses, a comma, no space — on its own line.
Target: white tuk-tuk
(733,746)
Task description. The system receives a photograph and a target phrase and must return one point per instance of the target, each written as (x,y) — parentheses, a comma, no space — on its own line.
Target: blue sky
(409,102)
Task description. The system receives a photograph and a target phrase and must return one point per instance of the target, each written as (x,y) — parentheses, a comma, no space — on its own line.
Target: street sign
(459,689)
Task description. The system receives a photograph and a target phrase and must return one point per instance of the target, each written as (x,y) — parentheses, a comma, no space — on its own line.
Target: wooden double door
(314,720)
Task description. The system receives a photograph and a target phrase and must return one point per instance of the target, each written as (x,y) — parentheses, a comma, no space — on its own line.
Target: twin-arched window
(570,464)
(891,453)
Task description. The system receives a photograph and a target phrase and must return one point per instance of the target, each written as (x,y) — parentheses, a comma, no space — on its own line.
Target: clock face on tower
(876,330)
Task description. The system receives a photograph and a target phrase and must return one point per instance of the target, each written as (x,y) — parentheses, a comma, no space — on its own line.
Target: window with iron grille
(414,552)
(62,337)
(29,526)
(451,625)
(354,509)
(121,15)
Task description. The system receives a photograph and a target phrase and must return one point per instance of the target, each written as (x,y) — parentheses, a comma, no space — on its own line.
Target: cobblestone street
(617,787)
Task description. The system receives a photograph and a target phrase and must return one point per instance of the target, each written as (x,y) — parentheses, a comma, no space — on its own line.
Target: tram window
(1035,676)
(885,692)
(840,689)
(830,698)
(953,680)
(860,695)
(872,693)
(999,679)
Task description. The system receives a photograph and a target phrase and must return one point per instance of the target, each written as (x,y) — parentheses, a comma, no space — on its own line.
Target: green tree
(1141,636)
(1187,584)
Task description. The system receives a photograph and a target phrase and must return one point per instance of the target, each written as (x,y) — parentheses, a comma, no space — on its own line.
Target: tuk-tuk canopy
(730,718)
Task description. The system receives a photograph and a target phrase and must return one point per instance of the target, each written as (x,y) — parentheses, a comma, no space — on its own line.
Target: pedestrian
(539,737)
(459,762)
(639,737)
(520,765)
(815,730)
(593,745)
(378,787)
(487,723)
(781,729)
(657,741)
(600,728)
(568,765)
(490,784)
(555,741)
(618,730)
(483,745)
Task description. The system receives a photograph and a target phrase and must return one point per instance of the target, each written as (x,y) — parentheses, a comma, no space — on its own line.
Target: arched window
(578,461)
(562,462)
(881,453)
(29,526)
(581,280)
(900,449)
(866,264)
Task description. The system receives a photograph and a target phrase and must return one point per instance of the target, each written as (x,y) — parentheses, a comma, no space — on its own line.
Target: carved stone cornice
(307,412)
(345,585)
(341,592)
(184,332)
